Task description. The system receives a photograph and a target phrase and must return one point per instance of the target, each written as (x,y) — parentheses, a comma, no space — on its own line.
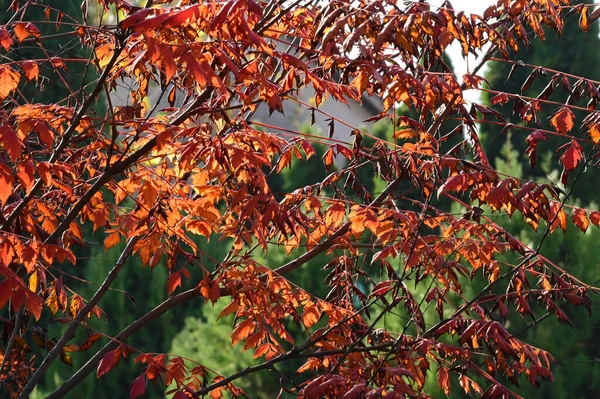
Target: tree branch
(91,364)
(66,138)
(81,315)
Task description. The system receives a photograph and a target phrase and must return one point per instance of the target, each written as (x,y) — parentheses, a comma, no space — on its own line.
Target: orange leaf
(594,133)
(443,380)
(173,282)
(91,340)
(563,120)
(9,80)
(21,31)
(335,214)
(242,331)
(232,307)
(580,219)
(6,183)
(30,256)
(30,69)
(10,141)
(311,316)
(583,19)
(112,240)
(26,173)
(360,82)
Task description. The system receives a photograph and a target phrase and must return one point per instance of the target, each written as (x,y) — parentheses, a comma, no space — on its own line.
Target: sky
(458,62)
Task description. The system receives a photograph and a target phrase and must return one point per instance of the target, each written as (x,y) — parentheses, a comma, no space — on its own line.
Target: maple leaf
(563,120)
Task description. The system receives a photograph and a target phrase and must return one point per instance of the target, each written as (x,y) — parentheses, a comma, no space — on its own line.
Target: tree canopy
(420,284)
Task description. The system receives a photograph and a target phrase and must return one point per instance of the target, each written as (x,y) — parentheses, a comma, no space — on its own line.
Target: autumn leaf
(580,219)
(6,183)
(173,282)
(594,133)
(443,380)
(5,39)
(30,69)
(242,331)
(90,341)
(113,239)
(563,120)
(9,80)
(595,218)
(138,387)
(230,308)
(572,156)
(583,19)
(108,362)
(34,303)
(10,141)
(360,82)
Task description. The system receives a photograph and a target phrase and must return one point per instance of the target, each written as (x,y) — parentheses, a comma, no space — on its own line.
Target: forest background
(193,329)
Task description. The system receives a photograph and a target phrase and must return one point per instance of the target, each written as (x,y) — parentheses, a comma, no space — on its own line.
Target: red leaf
(5,39)
(136,17)
(34,303)
(90,341)
(10,141)
(138,387)
(572,155)
(501,99)
(595,218)
(180,395)
(6,183)
(108,362)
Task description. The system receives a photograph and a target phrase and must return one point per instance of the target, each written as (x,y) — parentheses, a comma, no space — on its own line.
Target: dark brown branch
(11,342)
(91,364)
(293,354)
(81,315)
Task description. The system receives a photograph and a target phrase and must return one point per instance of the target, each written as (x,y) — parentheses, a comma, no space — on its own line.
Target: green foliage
(207,341)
